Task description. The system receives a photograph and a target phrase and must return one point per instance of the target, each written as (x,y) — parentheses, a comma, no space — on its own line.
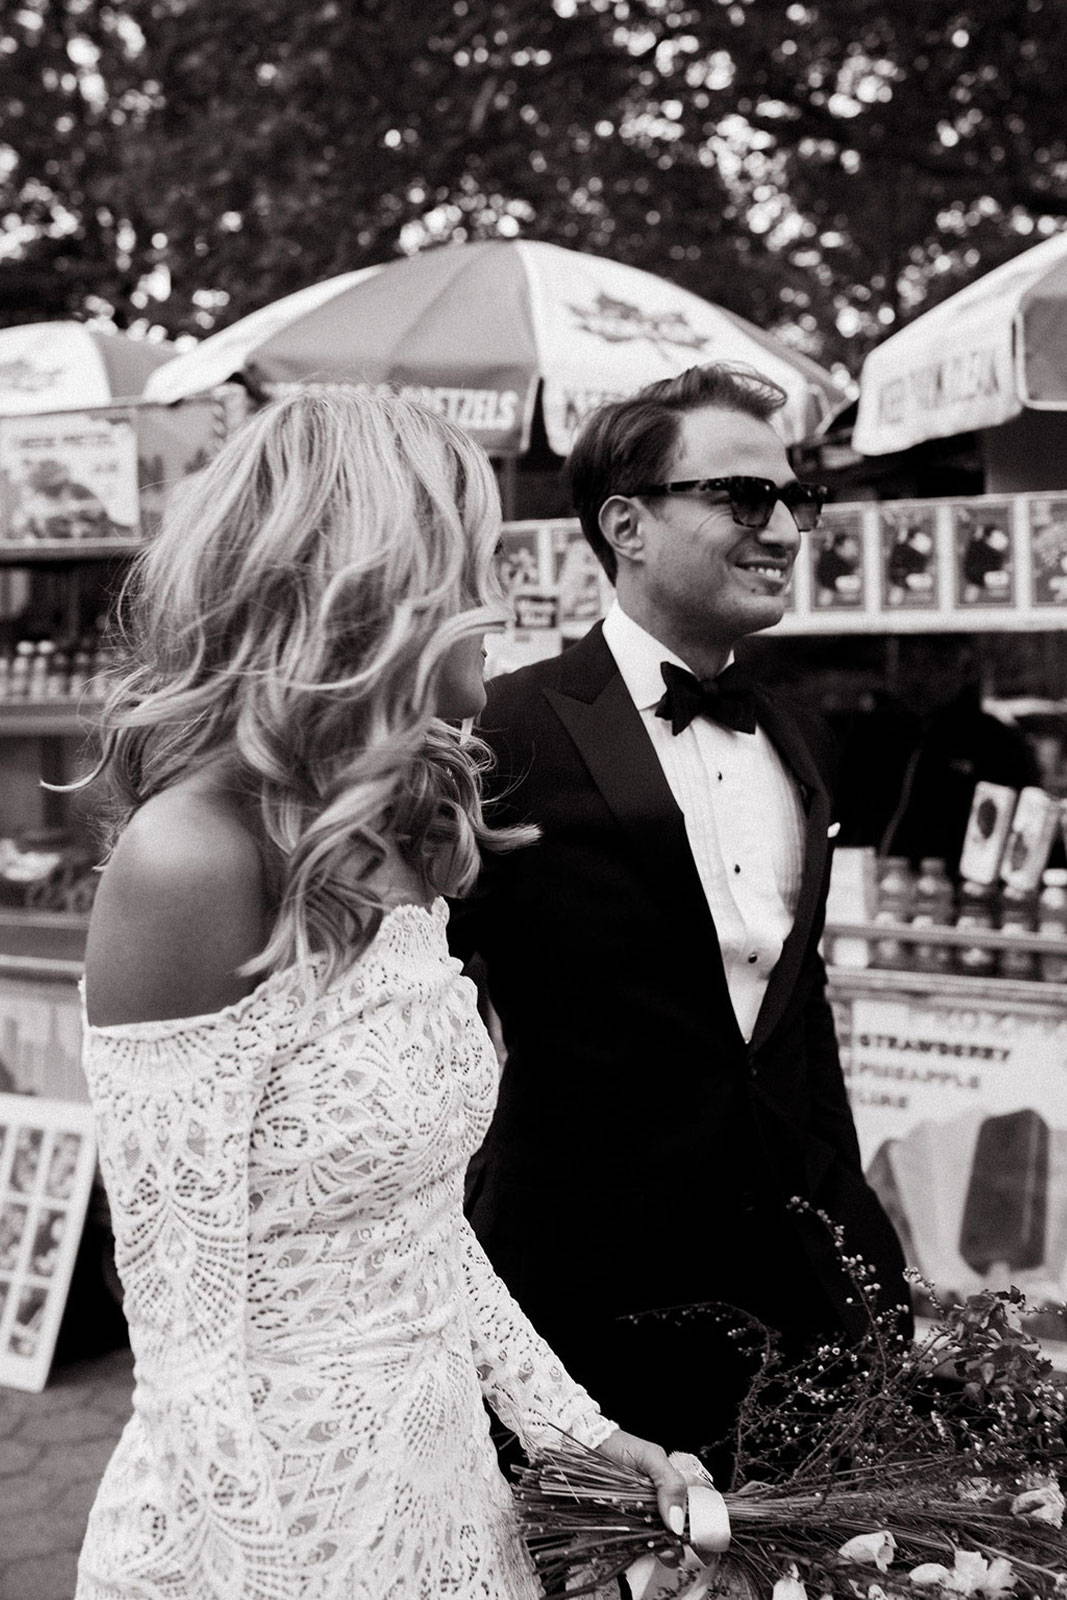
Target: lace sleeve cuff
(524,1380)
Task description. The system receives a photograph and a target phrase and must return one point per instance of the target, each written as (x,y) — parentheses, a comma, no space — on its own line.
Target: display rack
(81,491)
(17,553)
(54,719)
(966,564)
(42,950)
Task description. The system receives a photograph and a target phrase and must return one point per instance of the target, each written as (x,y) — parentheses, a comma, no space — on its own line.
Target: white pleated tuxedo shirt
(742,813)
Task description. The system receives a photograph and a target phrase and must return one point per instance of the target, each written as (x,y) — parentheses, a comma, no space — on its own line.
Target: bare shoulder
(181,904)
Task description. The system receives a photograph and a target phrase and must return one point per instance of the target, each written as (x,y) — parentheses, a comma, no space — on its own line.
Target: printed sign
(909,558)
(836,555)
(47,1160)
(985,564)
(961,1112)
(579,580)
(494,416)
(518,560)
(536,613)
(70,477)
(619,321)
(531,558)
(1048,551)
(952,393)
(173,441)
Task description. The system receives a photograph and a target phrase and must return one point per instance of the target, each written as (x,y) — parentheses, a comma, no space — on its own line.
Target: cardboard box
(1033,828)
(852,897)
(988,827)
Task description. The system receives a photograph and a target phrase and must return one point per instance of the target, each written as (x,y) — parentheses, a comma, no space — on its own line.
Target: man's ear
(620,523)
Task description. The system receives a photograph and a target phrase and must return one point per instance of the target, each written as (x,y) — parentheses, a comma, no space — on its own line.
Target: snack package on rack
(1033,828)
(1006,1209)
(853,897)
(22,869)
(988,827)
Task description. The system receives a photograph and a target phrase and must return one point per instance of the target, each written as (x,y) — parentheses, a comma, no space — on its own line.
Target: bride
(288,1069)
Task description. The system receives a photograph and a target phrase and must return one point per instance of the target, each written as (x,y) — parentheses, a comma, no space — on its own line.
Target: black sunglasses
(752,500)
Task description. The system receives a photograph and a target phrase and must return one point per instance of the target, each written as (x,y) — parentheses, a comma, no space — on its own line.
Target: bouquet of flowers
(882,1471)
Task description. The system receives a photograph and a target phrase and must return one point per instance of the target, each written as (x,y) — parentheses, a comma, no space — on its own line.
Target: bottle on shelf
(932,908)
(56,688)
(975,910)
(1052,922)
(894,902)
(40,668)
(1018,914)
(81,667)
(19,677)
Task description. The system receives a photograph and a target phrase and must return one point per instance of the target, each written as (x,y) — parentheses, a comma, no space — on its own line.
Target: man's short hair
(629,442)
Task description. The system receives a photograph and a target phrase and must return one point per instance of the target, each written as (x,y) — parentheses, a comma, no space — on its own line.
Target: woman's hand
(671,1488)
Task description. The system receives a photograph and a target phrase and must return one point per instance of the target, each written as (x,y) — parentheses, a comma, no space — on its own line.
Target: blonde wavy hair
(291,619)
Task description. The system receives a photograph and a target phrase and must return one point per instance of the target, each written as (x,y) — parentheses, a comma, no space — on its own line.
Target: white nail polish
(676,1519)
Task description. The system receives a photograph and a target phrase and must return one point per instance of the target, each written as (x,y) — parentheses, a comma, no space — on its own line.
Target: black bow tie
(727,699)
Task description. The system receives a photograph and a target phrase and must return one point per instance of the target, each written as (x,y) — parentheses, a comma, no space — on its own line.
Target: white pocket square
(833,830)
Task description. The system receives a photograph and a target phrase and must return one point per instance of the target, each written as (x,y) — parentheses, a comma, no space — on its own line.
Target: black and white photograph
(28,1149)
(837,561)
(1048,546)
(12,1229)
(27,1326)
(63,1165)
(49,1228)
(519,561)
(909,559)
(533,800)
(985,554)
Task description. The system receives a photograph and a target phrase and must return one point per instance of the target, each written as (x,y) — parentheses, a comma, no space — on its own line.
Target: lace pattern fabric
(313,1322)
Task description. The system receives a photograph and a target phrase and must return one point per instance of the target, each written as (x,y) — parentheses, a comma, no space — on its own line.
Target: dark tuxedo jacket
(642,1153)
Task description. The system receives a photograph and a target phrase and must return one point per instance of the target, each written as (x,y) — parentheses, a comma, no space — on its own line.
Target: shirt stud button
(751,959)
(736,867)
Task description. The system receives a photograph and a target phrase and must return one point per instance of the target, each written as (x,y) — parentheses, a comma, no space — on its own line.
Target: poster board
(961,1110)
(104,473)
(70,477)
(41,1038)
(47,1161)
(836,556)
(173,441)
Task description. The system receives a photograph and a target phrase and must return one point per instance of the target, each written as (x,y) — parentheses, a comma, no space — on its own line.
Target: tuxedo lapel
(782,730)
(595,707)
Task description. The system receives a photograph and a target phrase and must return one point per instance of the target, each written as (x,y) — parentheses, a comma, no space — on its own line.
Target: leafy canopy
(824,168)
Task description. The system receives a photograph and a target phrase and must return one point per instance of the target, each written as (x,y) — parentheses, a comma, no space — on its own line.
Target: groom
(672,1074)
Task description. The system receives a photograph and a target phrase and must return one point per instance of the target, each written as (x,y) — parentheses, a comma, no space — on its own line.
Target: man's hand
(671,1489)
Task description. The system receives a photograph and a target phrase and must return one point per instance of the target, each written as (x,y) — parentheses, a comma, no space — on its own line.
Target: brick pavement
(53,1448)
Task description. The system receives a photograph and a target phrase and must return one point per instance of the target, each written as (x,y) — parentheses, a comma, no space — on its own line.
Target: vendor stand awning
(475,329)
(974,361)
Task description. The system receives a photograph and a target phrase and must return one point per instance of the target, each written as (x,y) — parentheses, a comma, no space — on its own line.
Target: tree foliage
(826,167)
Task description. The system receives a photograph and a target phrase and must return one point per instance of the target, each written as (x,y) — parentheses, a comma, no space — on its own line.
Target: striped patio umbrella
(479,331)
(59,366)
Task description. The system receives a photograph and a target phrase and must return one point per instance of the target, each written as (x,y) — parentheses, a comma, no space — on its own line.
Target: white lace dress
(313,1322)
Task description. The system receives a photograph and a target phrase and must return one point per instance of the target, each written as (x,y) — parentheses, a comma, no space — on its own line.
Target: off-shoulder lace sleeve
(524,1380)
(192,1504)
